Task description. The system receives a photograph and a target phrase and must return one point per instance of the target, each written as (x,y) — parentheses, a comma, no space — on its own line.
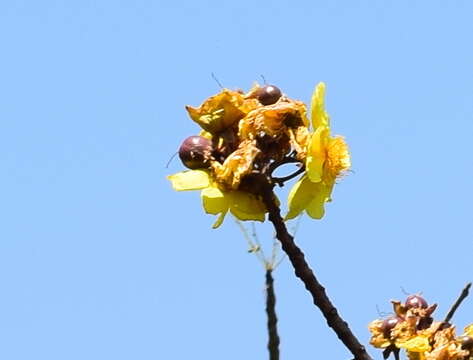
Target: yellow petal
(189,180)
(205,134)
(316,208)
(246,206)
(469,330)
(316,153)
(416,344)
(219,220)
(299,197)
(318,114)
(215,202)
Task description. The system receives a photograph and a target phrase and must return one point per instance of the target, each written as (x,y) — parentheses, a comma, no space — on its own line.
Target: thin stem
(281,180)
(286,160)
(457,303)
(256,249)
(273,337)
(305,273)
(274,253)
(258,243)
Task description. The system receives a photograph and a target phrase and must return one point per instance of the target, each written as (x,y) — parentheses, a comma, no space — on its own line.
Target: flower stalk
(457,303)
(272,319)
(306,275)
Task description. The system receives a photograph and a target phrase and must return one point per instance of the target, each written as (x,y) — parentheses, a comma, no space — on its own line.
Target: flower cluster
(413,328)
(249,134)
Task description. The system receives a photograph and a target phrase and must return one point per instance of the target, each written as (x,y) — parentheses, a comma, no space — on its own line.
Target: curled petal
(300,138)
(237,165)
(272,120)
(218,112)
(377,334)
(189,180)
(219,220)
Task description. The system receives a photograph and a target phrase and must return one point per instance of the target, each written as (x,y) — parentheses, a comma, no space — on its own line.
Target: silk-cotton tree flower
(413,329)
(327,159)
(244,137)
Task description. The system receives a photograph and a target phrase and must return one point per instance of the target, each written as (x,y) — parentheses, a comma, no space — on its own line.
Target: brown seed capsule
(269,94)
(195,152)
(389,324)
(467,342)
(415,301)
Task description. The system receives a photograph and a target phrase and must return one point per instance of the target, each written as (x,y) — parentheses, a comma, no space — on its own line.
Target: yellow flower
(327,159)
(243,205)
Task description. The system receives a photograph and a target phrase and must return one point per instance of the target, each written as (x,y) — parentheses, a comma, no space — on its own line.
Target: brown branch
(305,273)
(273,341)
(457,303)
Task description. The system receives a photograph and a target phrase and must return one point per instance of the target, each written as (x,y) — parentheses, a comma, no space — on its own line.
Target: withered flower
(244,135)
(419,335)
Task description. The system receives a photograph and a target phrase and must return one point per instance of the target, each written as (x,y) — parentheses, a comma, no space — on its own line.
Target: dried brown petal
(404,330)
(299,141)
(399,309)
(236,165)
(377,334)
(271,119)
(448,351)
(221,111)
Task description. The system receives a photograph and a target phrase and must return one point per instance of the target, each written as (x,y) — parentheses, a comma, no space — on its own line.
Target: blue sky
(100,259)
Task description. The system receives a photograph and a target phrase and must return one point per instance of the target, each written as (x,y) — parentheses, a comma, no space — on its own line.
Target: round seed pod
(415,301)
(389,324)
(268,94)
(195,152)
(467,342)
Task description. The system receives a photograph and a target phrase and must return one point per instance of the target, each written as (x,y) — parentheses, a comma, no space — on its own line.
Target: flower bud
(195,152)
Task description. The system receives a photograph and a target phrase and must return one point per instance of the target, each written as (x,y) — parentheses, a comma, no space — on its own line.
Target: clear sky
(101,259)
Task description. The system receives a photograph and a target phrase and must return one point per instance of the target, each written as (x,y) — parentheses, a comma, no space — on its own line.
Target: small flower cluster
(244,134)
(413,328)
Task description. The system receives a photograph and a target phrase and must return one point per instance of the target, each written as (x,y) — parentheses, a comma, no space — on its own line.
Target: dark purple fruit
(467,342)
(389,324)
(269,94)
(415,301)
(195,152)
